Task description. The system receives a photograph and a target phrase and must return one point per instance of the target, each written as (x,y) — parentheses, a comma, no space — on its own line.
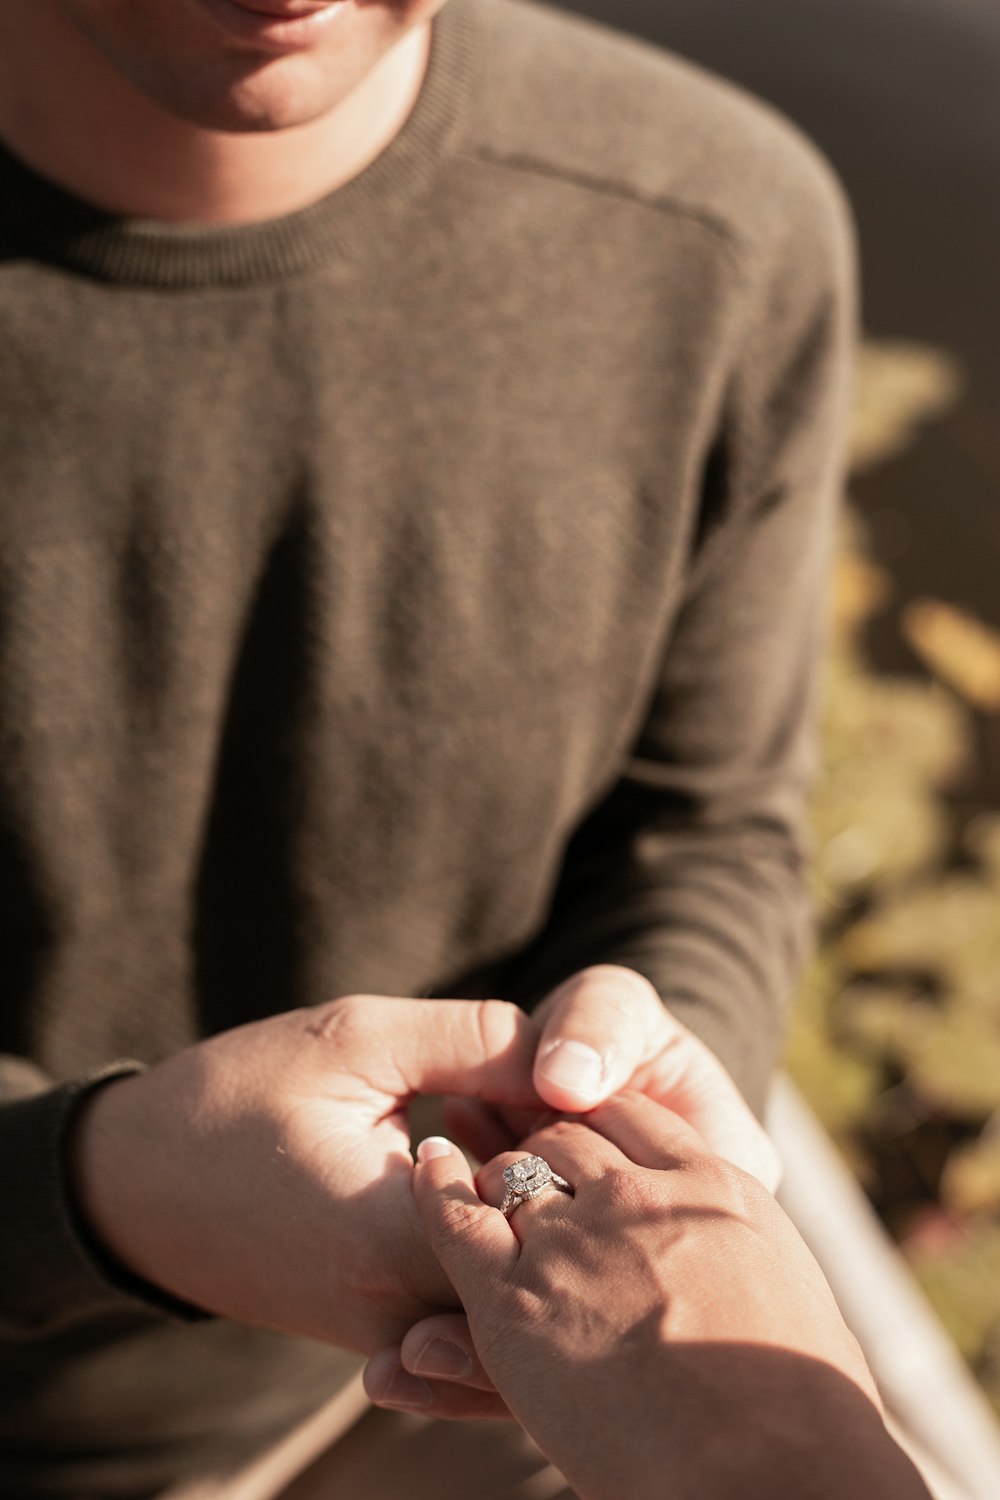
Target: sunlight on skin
(157,110)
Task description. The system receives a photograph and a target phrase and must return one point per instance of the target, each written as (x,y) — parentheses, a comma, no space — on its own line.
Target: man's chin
(262,105)
(258,100)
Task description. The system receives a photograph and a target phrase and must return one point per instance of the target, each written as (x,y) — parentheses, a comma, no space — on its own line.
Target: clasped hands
(265,1174)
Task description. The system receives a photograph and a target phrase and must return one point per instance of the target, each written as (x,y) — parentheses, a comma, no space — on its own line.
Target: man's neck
(112,147)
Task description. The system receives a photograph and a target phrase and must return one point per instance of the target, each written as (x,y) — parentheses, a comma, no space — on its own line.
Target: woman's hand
(604,1030)
(667,1303)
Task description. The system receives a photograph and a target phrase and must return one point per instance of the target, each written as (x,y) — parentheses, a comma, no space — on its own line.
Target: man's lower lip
(280,32)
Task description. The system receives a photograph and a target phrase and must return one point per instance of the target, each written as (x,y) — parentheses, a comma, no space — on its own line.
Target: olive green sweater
(420,594)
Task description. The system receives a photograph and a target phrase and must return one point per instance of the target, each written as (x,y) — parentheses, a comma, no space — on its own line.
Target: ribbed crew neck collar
(44,219)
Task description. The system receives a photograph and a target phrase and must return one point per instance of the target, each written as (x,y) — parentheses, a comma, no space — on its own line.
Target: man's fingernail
(406,1391)
(443,1358)
(574,1066)
(433,1145)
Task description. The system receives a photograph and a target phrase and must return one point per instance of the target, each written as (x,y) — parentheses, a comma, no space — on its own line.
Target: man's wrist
(97,1182)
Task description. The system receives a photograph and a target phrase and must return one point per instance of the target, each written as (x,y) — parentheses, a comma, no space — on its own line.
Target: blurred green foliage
(895,1037)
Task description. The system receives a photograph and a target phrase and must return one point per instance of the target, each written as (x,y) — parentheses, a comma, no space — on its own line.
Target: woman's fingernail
(443,1358)
(406,1391)
(433,1145)
(574,1066)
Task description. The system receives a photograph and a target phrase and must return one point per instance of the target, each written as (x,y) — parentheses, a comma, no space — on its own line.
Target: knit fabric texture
(420,595)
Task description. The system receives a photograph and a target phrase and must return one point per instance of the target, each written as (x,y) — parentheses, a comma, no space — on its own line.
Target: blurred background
(896,1037)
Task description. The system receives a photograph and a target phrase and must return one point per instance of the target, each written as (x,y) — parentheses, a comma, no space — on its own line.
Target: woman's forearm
(788,1425)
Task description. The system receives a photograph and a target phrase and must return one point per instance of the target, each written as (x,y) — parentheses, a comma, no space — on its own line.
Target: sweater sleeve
(692,871)
(52,1273)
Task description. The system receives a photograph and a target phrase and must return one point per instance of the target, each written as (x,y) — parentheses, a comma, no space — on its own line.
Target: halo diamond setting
(527,1178)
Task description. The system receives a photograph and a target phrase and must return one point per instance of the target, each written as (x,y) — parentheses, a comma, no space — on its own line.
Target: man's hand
(607,1029)
(265,1174)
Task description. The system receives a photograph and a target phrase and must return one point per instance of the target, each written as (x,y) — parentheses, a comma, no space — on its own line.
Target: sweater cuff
(53,1272)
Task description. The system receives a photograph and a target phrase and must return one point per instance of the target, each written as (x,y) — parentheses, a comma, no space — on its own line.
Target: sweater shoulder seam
(664,203)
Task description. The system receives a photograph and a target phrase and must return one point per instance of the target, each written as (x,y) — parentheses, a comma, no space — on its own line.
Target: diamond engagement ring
(526,1179)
